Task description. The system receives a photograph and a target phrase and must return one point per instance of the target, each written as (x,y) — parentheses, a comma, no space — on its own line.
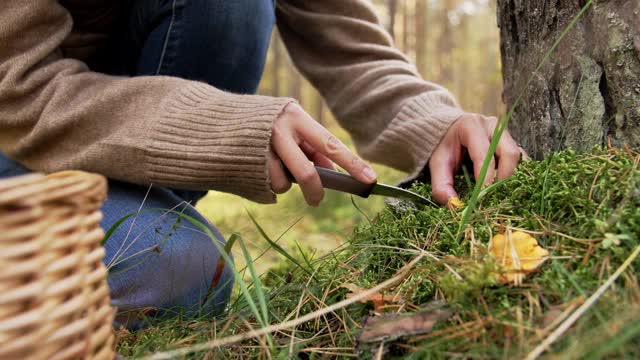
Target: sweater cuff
(414,133)
(206,139)
(428,117)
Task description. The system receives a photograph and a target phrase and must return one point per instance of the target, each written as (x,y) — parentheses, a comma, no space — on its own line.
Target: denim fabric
(158,261)
(223,43)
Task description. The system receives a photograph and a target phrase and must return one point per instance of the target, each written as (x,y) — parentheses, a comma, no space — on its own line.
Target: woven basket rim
(67,186)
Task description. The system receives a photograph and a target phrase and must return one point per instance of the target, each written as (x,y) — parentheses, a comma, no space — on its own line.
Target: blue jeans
(157,261)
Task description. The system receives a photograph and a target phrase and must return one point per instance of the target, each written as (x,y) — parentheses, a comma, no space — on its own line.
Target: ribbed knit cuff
(206,139)
(426,118)
(417,129)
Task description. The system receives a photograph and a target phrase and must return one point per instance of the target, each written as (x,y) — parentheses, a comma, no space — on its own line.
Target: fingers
(328,145)
(473,132)
(297,140)
(316,157)
(299,165)
(508,154)
(507,151)
(442,168)
(477,145)
(279,181)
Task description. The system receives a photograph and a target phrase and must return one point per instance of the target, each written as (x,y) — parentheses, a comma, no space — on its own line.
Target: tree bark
(392,6)
(588,93)
(405,26)
(446,44)
(295,86)
(319,109)
(421,35)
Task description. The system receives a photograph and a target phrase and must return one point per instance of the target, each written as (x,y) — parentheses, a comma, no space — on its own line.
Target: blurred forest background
(452,42)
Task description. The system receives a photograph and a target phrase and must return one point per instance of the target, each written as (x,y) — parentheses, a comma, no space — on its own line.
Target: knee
(170,268)
(237,27)
(199,270)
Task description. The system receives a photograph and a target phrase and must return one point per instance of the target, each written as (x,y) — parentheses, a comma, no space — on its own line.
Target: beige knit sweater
(56,113)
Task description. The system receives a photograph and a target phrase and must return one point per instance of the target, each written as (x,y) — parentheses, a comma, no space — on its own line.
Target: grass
(582,207)
(317,230)
(571,204)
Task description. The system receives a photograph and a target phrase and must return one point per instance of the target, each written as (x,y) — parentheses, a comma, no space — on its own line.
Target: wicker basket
(54,299)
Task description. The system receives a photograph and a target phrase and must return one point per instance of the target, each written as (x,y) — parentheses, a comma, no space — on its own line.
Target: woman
(160,92)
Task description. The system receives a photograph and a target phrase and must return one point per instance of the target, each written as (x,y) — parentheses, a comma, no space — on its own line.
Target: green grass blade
(560,269)
(304,257)
(232,240)
(629,333)
(353,201)
(471,205)
(277,247)
(276,240)
(229,262)
(504,122)
(256,280)
(115,226)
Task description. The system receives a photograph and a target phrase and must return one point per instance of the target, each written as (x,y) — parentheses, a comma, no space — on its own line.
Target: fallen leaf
(518,253)
(378,300)
(394,326)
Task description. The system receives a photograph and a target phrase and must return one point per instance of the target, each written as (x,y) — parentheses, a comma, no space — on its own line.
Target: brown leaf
(391,327)
(378,300)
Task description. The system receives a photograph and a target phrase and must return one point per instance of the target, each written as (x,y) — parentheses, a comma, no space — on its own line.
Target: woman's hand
(297,143)
(471,134)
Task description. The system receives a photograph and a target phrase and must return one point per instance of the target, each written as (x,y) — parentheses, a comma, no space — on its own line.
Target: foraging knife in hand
(336,180)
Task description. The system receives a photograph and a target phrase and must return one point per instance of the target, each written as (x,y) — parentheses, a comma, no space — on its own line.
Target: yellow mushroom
(455,202)
(518,253)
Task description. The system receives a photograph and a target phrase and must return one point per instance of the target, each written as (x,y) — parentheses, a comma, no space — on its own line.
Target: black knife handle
(335,180)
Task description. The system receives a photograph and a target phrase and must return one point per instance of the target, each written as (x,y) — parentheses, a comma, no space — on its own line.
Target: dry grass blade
(298,307)
(582,309)
(285,325)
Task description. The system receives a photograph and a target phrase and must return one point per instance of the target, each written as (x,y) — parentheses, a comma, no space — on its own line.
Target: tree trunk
(446,44)
(405,26)
(319,109)
(392,6)
(421,35)
(588,93)
(295,86)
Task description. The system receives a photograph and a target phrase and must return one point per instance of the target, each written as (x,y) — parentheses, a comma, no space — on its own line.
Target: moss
(572,199)
(583,207)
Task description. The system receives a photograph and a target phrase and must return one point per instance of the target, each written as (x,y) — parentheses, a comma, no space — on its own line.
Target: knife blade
(342,182)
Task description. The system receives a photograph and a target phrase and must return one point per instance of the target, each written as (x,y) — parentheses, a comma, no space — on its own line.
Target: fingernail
(369,173)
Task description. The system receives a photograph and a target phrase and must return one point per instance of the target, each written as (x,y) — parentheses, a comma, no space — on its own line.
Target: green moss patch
(583,207)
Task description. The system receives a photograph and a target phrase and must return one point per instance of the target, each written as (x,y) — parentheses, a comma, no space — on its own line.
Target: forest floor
(411,283)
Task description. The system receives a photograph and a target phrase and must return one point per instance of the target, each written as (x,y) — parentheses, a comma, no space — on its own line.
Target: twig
(443,263)
(293,334)
(582,309)
(285,325)
(380,351)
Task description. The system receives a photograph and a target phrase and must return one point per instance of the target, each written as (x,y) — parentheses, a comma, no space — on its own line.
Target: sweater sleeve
(394,116)
(56,114)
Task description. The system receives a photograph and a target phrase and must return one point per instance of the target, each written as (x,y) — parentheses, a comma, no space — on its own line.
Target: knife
(339,181)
